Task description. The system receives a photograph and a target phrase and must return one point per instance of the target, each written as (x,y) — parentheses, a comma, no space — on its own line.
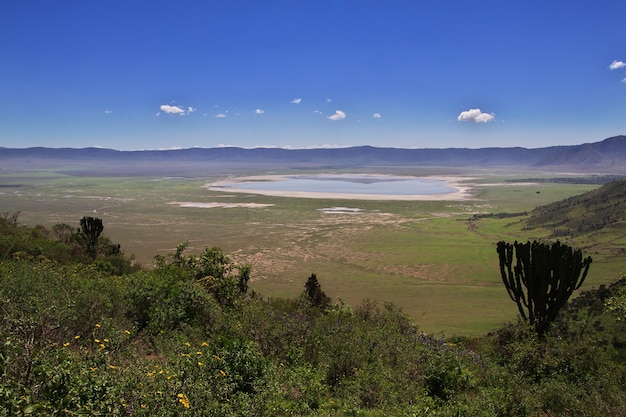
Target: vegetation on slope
(589,212)
(186,338)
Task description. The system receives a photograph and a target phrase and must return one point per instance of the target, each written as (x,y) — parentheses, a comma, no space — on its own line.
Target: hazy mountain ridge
(607,156)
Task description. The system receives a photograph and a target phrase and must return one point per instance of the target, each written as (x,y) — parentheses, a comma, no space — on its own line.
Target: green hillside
(599,211)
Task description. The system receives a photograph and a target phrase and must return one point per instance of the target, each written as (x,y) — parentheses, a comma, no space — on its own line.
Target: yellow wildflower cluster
(182,398)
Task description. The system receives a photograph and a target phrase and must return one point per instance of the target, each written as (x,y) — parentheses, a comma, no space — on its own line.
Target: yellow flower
(112,367)
(126,331)
(92,369)
(150,374)
(106,340)
(66,344)
(200,364)
(102,346)
(205,344)
(97,325)
(198,353)
(187,344)
(222,372)
(182,398)
(77,337)
(97,340)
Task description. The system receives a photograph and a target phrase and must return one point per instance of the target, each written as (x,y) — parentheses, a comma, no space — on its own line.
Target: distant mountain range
(607,156)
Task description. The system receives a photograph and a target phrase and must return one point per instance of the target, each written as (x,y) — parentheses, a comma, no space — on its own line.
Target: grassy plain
(421,255)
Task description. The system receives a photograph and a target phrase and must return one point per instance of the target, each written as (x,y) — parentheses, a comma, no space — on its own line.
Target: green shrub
(160,302)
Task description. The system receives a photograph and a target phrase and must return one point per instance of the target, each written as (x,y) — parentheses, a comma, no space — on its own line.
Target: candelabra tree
(543,278)
(90,230)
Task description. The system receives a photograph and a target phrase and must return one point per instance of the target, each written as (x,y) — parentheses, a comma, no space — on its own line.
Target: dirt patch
(189,204)
(319,240)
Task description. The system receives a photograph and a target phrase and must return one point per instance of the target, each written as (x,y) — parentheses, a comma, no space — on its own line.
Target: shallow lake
(349,184)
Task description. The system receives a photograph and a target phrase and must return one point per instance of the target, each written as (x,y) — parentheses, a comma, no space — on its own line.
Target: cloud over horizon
(259,111)
(377,116)
(475,116)
(339,115)
(173,109)
(296,101)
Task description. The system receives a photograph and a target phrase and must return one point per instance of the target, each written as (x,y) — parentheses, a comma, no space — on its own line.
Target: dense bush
(62,244)
(186,339)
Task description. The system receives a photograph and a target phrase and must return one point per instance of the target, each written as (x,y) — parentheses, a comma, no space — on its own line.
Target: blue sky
(294,73)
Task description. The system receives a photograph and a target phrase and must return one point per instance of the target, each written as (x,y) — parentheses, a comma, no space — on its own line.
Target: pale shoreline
(463,191)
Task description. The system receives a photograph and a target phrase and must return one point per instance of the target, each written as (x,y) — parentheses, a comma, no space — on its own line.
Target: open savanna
(424,256)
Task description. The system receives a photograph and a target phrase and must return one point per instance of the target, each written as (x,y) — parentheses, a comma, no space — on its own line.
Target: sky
(133,75)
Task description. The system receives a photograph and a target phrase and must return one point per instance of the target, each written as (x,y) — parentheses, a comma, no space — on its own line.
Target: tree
(212,269)
(62,232)
(314,292)
(244,277)
(616,303)
(9,219)
(91,228)
(542,280)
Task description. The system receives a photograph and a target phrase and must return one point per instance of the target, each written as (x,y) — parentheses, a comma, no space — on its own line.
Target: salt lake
(358,186)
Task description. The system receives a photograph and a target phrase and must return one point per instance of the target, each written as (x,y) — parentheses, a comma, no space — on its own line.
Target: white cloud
(339,115)
(296,101)
(108,111)
(624,80)
(166,108)
(220,115)
(377,116)
(475,116)
(617,65)
(190,109)
(259,111)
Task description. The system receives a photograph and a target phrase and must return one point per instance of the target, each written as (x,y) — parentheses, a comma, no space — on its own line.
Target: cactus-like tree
(543,278)
(90,229)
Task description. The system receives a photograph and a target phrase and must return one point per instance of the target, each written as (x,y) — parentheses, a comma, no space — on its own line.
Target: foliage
(542,280)
(79,341)
(63,244)
(90,230)
(212,269)
(314,292)
(591,211)
(616,303)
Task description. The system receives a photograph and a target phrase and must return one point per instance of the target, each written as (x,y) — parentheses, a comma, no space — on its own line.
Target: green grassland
(424,256)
